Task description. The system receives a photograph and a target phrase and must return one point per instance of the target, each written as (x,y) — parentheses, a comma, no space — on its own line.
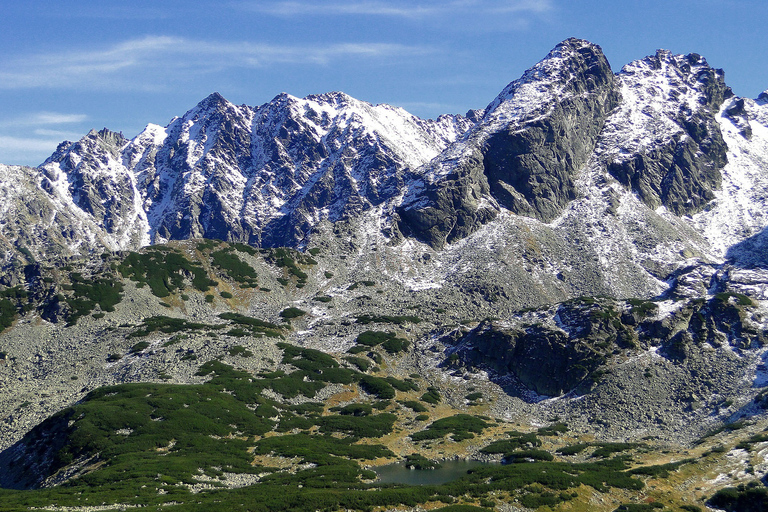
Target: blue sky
(67,67)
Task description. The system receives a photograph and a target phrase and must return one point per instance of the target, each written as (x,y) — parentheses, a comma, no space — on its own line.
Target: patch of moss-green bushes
(460,427)
(164,269)
(432,396)
(169,325)
(387,319)
(254,326)
(292,312)
(105,292)
(235,268)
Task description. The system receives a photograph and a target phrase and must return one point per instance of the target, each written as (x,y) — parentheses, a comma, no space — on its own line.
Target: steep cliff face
(664,142)
(524,154)
(89,176)
(571,346)
(262,175)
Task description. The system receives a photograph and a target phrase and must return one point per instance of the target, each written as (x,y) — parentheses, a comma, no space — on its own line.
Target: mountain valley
(253,308)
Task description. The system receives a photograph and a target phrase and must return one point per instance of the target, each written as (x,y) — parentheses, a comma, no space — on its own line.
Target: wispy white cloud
(42,121)
(28,144)
(397,8)
(59,134)
(154,61)
(49,118)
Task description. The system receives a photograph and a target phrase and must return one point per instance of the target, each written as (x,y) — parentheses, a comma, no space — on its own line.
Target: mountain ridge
(588,253)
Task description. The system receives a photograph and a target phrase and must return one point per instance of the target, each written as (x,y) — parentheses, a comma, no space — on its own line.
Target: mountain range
(591,246)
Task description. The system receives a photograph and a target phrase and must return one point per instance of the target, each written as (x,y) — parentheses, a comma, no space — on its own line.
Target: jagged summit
(565,148)
(523,154)
(572,64)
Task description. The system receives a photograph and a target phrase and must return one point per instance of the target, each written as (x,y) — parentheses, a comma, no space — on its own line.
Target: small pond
(449,470)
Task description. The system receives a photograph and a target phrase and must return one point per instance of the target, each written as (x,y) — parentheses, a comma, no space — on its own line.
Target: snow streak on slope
(740,209)
(260,175)
(531,97)
(658,92)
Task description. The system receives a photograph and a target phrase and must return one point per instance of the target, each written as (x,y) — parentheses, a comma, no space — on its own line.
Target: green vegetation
(12,300)
(7,313)
(169,325)
(415,406)
(289,259)
(86,294)
(235,268)
(389,341)
(416,461)
(573,449)
(254,326)
(226,295)
(377,386)
(751,497)
(460,426)
(139,347)
(373,426)
(432,396)
(741,299)
(292,312)
(354,409)
(362,364)
(642,308)
(473,398)
(639,507)
(528,455)
(151,442)
(516,442)
(239,350)
(387,319)
(163,269)
(553,430)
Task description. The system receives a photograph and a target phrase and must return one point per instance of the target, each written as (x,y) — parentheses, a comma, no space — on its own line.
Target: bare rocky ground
(642,391)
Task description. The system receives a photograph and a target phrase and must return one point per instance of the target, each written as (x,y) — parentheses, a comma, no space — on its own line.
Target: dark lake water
(448,471)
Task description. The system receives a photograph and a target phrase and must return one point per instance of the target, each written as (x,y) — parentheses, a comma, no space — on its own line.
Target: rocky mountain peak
(524,154)
(664,141)
(573,66)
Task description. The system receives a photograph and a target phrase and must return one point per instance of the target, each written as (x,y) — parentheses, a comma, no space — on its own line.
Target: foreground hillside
(203,374)
(258,308)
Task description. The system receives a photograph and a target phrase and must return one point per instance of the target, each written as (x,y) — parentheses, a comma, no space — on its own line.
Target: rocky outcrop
(569,347)
(545,358)
(664,142)
(524,154)
(531,163)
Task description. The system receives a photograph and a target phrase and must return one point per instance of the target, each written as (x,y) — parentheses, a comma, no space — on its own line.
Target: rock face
(261,175)
(571,346)
(558,149)
(90,175)
(525,152)
(266,175)
(531,163)
(664,142)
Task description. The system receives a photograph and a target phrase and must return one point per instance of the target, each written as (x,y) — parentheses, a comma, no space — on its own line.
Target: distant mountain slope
(590,181)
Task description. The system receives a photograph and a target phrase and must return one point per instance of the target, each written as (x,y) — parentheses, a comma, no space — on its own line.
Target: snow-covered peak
(660,93)
(574,68)
(556,76)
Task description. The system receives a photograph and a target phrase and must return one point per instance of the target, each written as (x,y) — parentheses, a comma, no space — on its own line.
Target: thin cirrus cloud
(153,62)
(398,9)
(51,118)
(28,144)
